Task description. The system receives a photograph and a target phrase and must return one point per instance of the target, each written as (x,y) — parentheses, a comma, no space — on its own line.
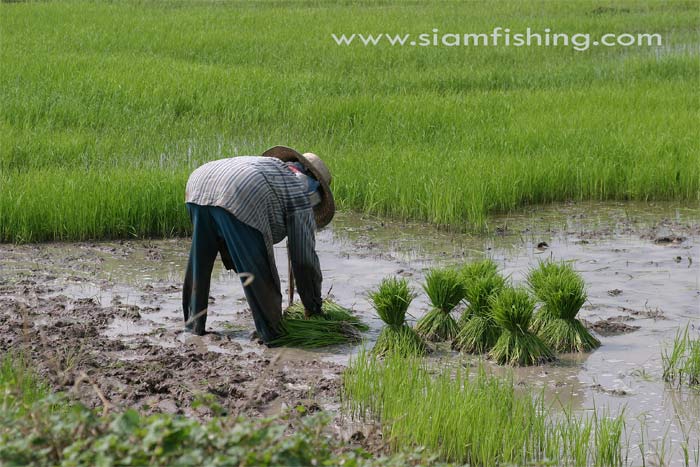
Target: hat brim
(325,210)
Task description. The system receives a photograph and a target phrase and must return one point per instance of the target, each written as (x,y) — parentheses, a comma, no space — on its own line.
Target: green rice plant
(562,292)
(315,333)
(537,280)
(681,365)
(691,369)
(517,345)
(391,301)
(481,280)
(76,124)
(331,312)
(472,417)
(608,436)
(478,331)
(400,340)
(445,289)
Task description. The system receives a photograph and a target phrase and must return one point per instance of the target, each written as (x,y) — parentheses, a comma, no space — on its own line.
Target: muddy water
(642,265)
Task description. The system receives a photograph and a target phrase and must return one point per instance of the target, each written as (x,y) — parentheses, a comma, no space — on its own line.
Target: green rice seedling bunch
(314,333)
(331,312)
(391,301)
(478,330)
(445,289)
(517,345)
(562,292)
(537,280)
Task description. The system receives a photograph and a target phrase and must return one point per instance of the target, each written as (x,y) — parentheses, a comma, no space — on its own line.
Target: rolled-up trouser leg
(195,292)
(246,246)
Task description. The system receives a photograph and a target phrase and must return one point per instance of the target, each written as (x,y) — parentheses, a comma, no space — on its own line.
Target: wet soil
(103,319)
(65,338)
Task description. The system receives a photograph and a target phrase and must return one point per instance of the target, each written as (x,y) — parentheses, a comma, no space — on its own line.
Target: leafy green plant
(445,289)
(517,345)
(562,292)
(478,331)
(391,301)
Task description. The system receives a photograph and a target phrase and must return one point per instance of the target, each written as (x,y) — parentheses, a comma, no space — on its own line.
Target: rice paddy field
(105,108)
(460,174)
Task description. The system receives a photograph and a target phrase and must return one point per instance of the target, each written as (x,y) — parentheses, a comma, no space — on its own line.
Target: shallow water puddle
(641,264)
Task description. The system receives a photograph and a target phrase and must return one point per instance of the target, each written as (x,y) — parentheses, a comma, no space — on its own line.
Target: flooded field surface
(109,313)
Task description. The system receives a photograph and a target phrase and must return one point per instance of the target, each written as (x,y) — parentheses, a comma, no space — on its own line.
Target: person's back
(260,191)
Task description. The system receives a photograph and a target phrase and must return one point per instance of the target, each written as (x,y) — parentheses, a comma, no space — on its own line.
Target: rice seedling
(479,332)
(391,301)
(562,292)
(681,365)
(517,345)
(331,312)
(472,418)
(537,279)
(315,333)
(481,280)
(445,289)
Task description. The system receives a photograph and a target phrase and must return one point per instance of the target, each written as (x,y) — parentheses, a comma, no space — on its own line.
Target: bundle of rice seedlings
(562,292)
(331,312)
(445,289)
(391,302)
(481,280)
(479,332)
(517,345)
(537,278)
(315,333)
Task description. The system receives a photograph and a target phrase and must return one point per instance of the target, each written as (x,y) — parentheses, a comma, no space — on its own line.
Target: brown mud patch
(64,338)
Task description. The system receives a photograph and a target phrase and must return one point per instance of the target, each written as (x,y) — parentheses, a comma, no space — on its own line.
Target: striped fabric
(264,193)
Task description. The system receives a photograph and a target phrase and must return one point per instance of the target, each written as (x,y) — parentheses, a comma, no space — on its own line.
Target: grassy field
(106,107)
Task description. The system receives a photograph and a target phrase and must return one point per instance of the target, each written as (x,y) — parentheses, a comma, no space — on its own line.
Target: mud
(65,338)
(106,315)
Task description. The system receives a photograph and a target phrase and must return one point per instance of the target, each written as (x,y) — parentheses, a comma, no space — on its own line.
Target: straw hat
(325,210)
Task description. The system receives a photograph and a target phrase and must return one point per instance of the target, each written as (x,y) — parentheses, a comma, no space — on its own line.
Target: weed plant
(517,345)
(445,290)
(478,331)
(562,292)
(391,301)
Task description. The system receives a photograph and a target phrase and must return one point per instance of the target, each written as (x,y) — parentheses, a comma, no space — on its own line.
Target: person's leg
(247,249)
(195,292)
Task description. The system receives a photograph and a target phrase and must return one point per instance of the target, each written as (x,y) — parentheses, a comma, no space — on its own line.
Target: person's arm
(302,250)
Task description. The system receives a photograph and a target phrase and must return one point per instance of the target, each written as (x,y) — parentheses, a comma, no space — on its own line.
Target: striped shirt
(265,194)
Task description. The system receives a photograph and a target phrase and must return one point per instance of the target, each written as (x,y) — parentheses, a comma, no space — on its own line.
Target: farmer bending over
(239,208)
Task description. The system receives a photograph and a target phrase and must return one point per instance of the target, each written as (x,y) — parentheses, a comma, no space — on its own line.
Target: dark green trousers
(242,249)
